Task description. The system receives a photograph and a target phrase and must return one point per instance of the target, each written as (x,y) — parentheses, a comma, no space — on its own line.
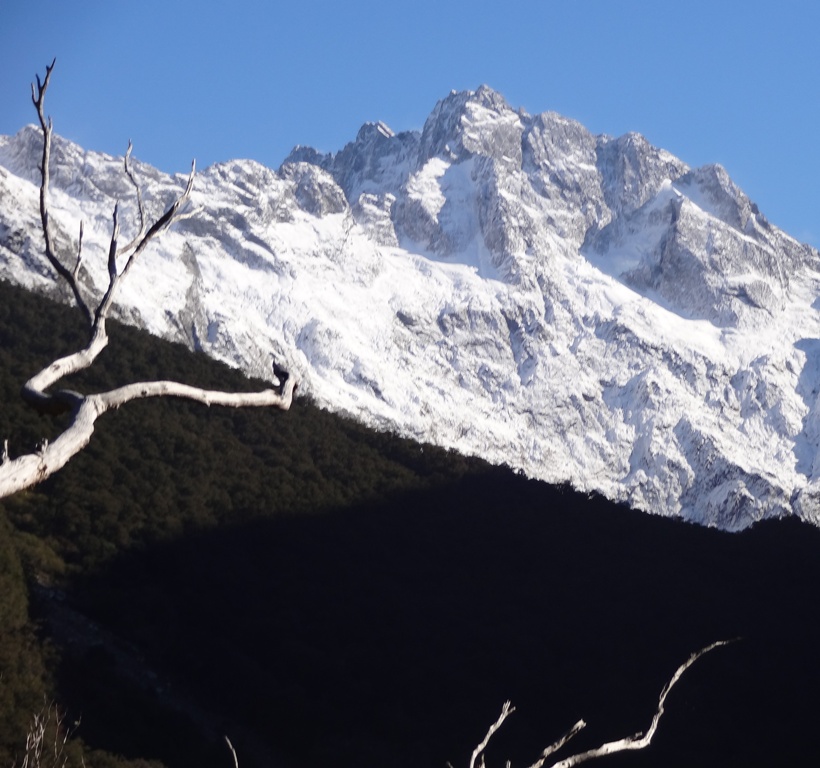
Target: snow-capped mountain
(583,308)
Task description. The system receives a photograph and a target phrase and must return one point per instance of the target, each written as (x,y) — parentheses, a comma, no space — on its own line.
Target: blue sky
(711,81)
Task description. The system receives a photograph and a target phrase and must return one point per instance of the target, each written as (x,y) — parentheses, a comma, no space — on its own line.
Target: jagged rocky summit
(582,308)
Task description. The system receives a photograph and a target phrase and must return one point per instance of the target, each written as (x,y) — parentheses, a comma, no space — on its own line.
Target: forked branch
(639,740)
(26,470)
(38,96)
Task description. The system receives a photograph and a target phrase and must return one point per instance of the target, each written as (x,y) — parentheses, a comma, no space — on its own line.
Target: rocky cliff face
(581,307)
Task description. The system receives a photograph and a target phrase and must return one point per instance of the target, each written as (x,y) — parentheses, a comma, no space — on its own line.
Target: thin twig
(162,223)
(140,204)
(76,271)
(233,752)
(38,98)
(112,248)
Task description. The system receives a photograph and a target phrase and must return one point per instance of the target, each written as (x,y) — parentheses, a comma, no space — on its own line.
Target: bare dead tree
(639,740)
(84,409)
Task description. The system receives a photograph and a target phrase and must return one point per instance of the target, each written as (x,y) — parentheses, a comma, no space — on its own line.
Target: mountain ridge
(583,308)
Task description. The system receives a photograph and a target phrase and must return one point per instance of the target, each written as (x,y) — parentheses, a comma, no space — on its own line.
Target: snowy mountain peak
(374,131)
(581,307)
(471,123)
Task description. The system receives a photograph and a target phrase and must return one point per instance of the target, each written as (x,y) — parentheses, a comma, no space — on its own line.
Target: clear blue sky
(709,80)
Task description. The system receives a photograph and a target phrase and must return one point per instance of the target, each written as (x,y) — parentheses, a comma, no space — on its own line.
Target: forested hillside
(326,595)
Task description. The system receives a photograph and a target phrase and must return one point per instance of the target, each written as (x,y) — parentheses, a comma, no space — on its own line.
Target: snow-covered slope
(579,307)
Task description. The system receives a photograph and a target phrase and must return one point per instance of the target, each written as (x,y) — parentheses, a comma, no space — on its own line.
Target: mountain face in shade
(582,308)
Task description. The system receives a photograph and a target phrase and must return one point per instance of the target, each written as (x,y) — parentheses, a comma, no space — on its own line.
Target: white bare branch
(38,96)
(640,740)
(76,271)
(553,748)
(24,471)
(506,711)
(637,741)
(140,205)
(233,752)
(27,470)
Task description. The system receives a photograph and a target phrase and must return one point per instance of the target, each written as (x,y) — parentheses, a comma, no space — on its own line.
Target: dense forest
(328,595)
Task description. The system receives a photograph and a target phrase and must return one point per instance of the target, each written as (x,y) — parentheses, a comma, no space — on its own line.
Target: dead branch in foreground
(639,740)
(29,469)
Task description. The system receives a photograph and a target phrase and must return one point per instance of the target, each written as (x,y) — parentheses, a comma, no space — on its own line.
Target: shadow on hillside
(391,635)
